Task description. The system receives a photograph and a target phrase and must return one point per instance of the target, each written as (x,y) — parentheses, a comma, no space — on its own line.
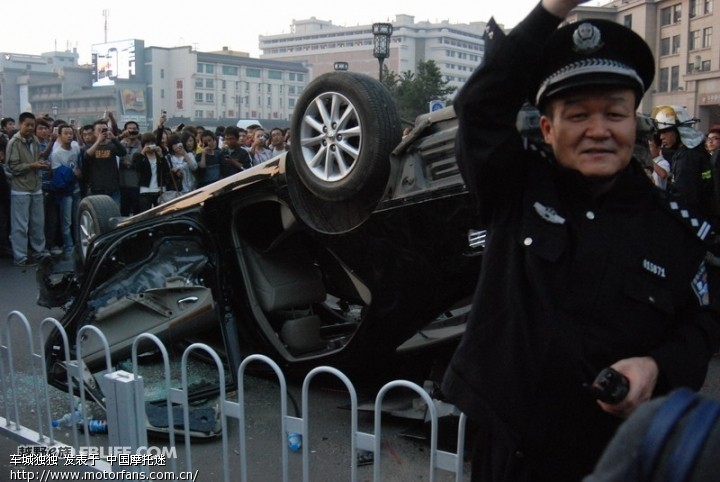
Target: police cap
(592,52)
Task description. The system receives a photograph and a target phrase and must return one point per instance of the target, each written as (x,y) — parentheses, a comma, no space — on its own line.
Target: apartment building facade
(214,88)
(206,88)
(456,48)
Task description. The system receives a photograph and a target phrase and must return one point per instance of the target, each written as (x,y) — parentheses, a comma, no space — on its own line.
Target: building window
(665,46)
(274,74)
(223,85)
(198,97)
(162,93)
(705,65)
(694,8)
(676,13)
(663,81)
(291,103)
(162,73)
(665,16)
(694,40)
(200,68)
(675,78)
(670,15)
(708,7)
(198,114)
(255,73)
(209,69)
(675,48)
(627,21)
(229,70)
(209,97)
(707,38)
(209,83)
(199,83)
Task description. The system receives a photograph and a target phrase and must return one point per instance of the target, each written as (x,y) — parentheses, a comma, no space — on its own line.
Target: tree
(414,91)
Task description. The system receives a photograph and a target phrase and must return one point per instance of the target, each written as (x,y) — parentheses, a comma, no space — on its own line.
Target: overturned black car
(349,248)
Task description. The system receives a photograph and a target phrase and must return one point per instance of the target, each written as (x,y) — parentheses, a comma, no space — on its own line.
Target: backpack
(63,181)
(671,439)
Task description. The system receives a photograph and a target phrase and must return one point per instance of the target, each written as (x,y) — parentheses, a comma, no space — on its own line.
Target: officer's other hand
(642,374)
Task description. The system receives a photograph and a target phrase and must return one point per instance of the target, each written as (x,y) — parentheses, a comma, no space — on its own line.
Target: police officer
(587,264)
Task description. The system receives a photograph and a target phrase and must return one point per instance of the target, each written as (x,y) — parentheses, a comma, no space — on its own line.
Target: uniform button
(527,241)
(590,215)
(651,299)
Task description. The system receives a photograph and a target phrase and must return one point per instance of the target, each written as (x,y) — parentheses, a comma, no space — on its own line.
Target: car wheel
(344,128)
(94,217)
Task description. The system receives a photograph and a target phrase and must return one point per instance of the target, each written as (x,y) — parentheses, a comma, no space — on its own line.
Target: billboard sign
(113,61)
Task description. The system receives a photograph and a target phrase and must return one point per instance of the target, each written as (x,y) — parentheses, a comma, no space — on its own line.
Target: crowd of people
(49,165)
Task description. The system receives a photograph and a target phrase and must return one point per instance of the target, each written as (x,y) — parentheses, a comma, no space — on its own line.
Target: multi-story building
(680,34)
(24,77)
(213,88)
(456,48)
(137,82)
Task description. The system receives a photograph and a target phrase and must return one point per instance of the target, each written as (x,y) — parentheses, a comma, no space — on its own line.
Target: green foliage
(414,91)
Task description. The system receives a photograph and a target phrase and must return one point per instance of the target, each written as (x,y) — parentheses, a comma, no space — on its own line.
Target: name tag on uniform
(653,268)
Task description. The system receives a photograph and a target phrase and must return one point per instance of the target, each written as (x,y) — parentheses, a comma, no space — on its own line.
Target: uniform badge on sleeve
(700,286)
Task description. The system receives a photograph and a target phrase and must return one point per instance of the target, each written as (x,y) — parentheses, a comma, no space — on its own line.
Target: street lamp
(381,43)
(54,110)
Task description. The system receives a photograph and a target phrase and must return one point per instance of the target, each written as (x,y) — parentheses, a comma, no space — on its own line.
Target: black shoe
(25,262)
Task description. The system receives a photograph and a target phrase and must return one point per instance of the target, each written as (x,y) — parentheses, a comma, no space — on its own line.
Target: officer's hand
(560,8)
(642,373)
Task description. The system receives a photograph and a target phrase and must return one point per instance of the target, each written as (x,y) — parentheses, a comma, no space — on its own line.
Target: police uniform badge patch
(700,286)
(587,39)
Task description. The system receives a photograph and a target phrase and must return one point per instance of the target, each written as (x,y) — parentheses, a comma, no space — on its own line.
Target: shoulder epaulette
(695,224)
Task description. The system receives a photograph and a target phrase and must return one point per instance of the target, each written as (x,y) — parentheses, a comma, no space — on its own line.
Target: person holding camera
(259,151)
(182,166)
(588,269)
(129,179)
(234,158)
(153,171)
(101,161)
(209,161)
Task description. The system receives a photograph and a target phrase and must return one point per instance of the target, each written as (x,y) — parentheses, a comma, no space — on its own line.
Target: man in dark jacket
(690,162)
(101,160)
(587,265)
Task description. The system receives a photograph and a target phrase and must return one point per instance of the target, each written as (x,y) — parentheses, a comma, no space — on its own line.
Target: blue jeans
(68,217)
(27,213)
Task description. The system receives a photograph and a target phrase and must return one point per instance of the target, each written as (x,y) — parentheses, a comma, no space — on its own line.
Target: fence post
(126,412)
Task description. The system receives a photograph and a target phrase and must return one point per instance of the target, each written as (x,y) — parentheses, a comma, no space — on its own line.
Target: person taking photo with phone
(101,161)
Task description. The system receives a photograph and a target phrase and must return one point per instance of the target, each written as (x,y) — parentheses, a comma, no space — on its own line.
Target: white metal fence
(124,401)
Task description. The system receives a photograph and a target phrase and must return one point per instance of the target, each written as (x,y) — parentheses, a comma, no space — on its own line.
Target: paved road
(404,458)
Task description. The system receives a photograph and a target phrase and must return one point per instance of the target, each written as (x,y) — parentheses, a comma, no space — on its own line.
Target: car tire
(94,218)
(344,128)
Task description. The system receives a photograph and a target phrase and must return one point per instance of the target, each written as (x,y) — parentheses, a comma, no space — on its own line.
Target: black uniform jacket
(570,284)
